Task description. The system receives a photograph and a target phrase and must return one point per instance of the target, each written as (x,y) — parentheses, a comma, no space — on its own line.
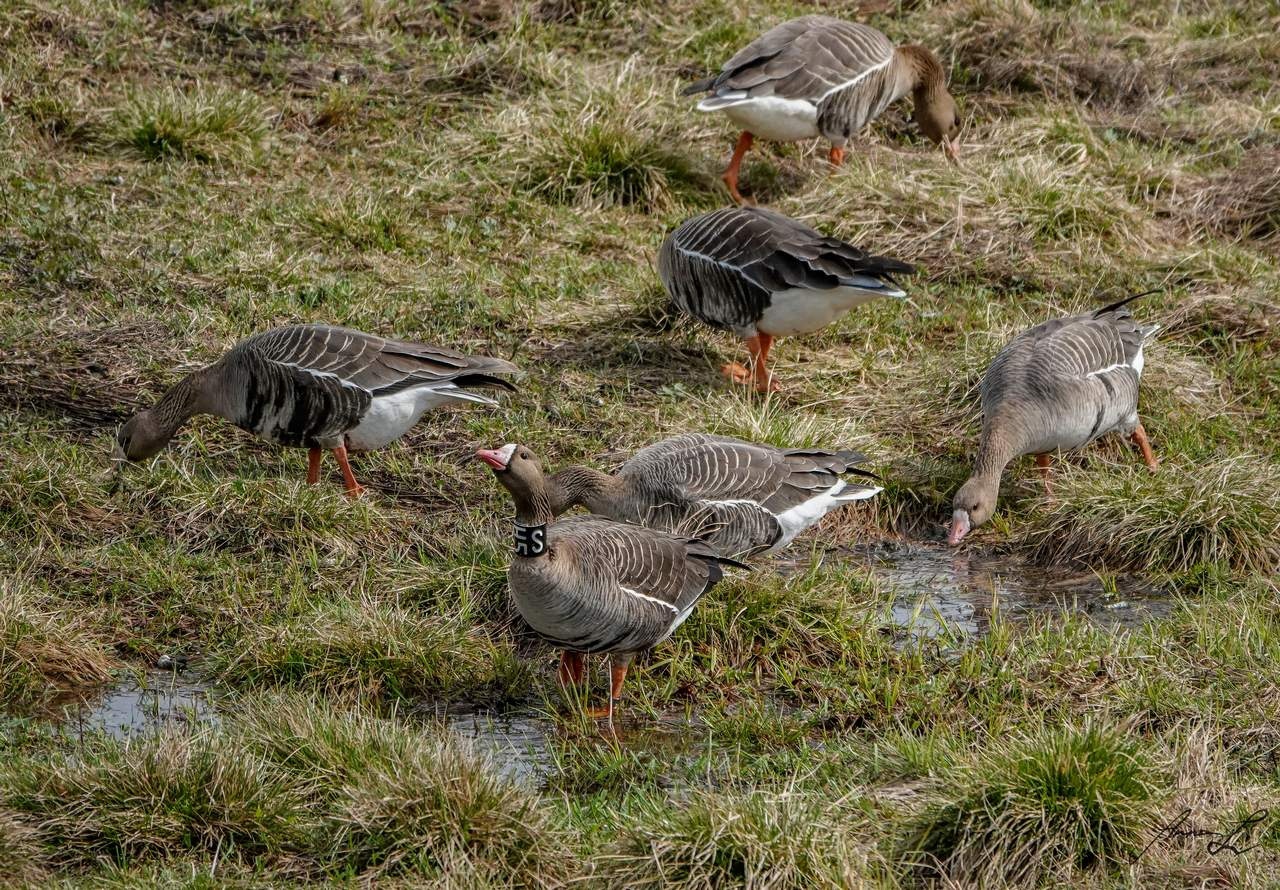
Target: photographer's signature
(1236,837)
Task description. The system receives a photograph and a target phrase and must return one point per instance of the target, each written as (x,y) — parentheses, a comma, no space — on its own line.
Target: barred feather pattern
(726,491)
(1064,383)
(848,71)
(308,385)
(724,267)
(608,587)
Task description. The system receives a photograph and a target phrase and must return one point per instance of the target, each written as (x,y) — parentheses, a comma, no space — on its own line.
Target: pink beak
(959,527)
(493,458)
(951,148)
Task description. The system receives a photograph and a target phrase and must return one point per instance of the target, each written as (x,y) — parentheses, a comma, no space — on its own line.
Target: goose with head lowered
(819,76)
(742,498)
(1057,386)
(589,585)
(318,387)
(763,275)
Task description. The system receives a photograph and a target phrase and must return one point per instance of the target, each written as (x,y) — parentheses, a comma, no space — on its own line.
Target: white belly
(768,117)
(799,310)
(390,417)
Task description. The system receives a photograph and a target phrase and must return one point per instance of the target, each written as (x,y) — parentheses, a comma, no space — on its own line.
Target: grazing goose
(741,498)
(763,275)
(818,76)
(317,387)
(587,584)
(1057,386)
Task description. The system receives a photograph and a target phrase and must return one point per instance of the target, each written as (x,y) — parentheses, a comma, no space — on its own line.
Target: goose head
(938,119)
(141,437)
(520,472)
(972,505)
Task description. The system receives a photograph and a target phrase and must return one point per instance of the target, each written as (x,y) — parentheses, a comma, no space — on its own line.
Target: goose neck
(581,486)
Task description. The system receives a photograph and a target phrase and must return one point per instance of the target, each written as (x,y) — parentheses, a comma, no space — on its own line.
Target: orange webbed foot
(740,374)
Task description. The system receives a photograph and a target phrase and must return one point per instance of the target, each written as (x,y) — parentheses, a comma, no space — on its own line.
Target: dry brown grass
(1242,202)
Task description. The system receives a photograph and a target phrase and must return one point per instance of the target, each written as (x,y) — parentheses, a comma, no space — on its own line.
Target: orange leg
(757,371)
(836,156)
(1042,461)
(353,487)
(760,363)
(313,465)
(617,675)
(571,666)
(730,175)
(1139,438)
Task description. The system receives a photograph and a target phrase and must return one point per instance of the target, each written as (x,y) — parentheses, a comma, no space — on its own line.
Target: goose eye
(524,455)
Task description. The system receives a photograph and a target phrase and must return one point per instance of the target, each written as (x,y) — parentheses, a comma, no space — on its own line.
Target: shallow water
(936,586)
(142,702)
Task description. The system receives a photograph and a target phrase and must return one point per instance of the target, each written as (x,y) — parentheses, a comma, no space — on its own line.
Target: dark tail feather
(473,381)
(1098,313)
(699,86)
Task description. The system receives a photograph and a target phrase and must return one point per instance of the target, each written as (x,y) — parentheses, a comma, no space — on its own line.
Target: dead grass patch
(43,646)
(1240,203)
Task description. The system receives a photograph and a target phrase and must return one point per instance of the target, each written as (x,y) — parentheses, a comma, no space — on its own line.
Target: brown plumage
(1057,386)
(819,76)
(317,387)
(741,497)
(761,275)
(588,584)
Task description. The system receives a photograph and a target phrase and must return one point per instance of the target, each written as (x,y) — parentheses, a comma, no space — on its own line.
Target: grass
(745,839)
(198,124)
(1050,803)
(1222,513)
(497,178)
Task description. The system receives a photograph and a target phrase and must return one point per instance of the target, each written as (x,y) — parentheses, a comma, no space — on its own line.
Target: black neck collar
(531,540)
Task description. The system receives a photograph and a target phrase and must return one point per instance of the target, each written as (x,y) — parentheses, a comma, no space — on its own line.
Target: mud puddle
(141,702)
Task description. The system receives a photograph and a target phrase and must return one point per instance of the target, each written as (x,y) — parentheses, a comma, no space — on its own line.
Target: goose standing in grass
(742,498)
(818,76)
(318,387)
(1057,386)
(763,275)
(589,585)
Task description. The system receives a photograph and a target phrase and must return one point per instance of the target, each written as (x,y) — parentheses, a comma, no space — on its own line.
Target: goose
(588,584)
(819,76)
(763,275)
(318,387)
(1057,386)
(742,498)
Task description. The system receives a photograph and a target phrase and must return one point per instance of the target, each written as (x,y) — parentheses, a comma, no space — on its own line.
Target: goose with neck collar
(595,586)
(820,76)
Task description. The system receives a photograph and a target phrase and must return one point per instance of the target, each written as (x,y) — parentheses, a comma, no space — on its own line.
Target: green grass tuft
(44,646)
(364,648)
(391,798)
(152,799)
(200,124)
(1223,512)
(599,162)
(752,839)
(1033,805)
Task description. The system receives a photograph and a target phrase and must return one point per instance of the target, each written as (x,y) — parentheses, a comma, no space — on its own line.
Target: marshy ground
(1067,701)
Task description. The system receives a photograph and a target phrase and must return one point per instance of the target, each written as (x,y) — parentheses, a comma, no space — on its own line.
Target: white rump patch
(800,310)
(390,417)
(805,514)
(769,117)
